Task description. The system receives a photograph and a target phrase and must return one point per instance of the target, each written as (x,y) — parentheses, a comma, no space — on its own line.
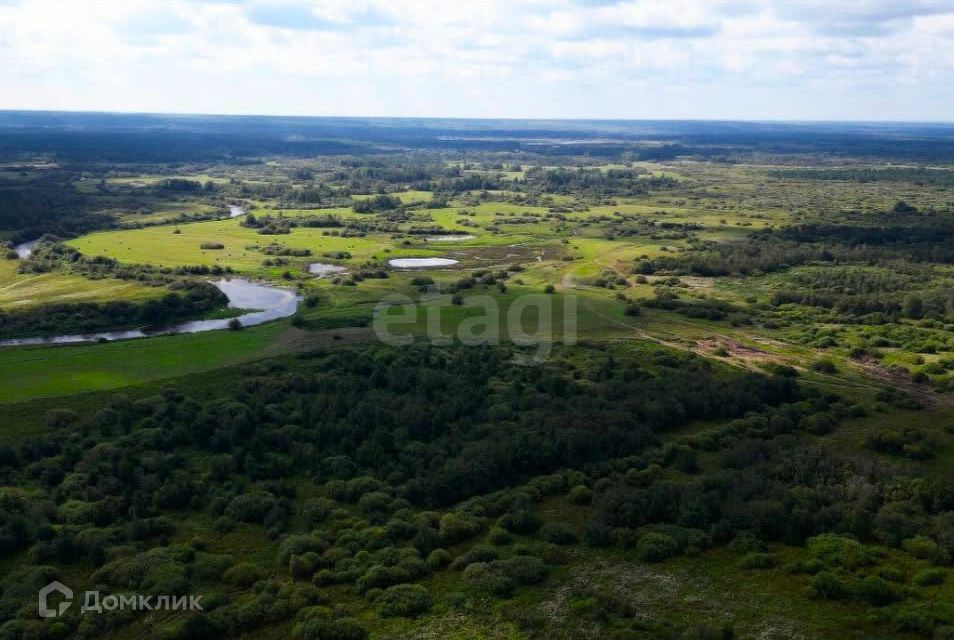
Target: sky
(627,59)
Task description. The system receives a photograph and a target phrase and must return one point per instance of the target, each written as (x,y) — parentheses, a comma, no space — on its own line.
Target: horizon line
(466,118)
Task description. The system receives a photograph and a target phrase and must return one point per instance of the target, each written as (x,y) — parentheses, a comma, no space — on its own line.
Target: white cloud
(490,58)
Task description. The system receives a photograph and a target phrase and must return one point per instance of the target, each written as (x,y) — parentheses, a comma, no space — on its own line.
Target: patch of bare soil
(900,379)
(736,349)
(493,256)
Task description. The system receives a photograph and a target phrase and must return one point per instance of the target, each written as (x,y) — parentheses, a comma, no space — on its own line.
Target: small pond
(421,263)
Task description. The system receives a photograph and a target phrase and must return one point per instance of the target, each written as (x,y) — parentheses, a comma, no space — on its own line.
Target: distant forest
(171,138)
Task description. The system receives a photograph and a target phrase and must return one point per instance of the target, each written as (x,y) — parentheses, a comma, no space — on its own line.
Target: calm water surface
(271,303)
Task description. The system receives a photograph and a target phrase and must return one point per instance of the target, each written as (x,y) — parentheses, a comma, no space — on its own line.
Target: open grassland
(33,372)
(19,290)
(162,211)
(576,252)
(160,246)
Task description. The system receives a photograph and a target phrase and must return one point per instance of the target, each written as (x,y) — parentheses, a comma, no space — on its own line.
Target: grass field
(18,290)
(32,372)
(162,247)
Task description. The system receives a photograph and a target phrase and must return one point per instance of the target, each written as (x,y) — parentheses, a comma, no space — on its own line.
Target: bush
(455,526)
(244,574)
(758,561)
(498,536)
(212,246)
(329,629)
(655,547)
(59,418)
(477,553)
(929,577)
(580,494)
(316,510)
(827,585)
(914,621)
(824,366)
(875,591)
(839,551)
(557,533)
(924,548)
(438,559)
(482,576)
(891,573)
(405,600)
(711,632)
(522,569)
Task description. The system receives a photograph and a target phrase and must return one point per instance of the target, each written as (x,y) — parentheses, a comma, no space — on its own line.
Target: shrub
(477,553)
(405,600)
(824,366)
(747,542)
(580,494)
(557,533)
(498,536)
(244,574)
(455,526)
(924,548)
(329,629)
(522,569)
(758,561)
(839,551)
(929,577)
(828,585)
(891,573)
(316,510)
(59,418)
(438,559)
(711,632)
(914,621)
(482,576)
(655,547)
(875,591)
(588,609)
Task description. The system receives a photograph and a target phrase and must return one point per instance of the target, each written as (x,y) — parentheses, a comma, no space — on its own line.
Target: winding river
(271,303)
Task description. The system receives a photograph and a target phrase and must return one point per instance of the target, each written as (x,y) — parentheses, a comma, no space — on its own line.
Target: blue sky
(705,59)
